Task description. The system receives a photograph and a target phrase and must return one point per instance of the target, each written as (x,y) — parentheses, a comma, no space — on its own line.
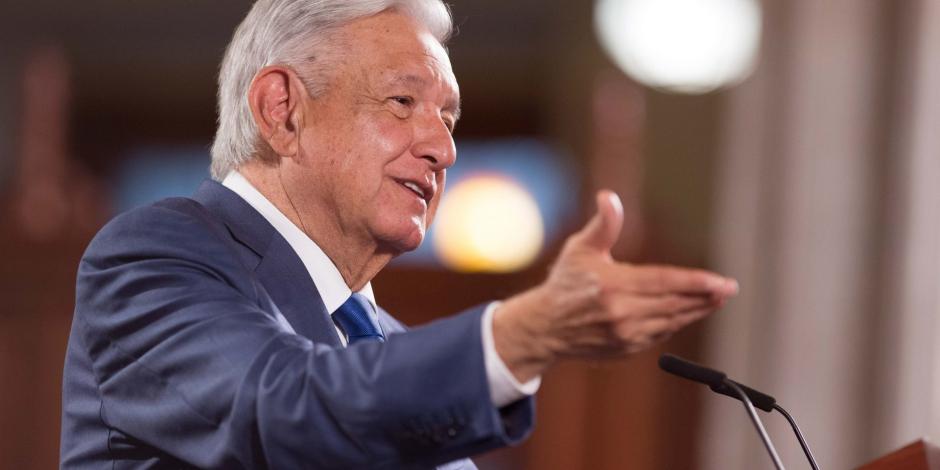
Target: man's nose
(434,143)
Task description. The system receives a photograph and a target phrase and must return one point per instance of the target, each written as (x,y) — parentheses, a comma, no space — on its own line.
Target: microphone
(714,379)
(719,382)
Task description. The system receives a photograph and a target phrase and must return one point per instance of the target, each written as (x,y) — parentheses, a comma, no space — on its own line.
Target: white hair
(293,33)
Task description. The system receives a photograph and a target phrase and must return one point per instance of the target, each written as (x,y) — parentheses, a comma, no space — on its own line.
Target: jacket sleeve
(189,361)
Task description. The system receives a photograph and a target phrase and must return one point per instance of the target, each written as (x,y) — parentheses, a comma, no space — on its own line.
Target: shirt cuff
(504,388)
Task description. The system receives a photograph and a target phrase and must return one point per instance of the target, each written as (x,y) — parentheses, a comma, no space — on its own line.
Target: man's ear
(274,104)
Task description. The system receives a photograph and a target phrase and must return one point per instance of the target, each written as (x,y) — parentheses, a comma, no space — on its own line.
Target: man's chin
(406,241)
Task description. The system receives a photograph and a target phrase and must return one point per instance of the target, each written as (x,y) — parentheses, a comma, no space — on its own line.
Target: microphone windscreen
(690,370)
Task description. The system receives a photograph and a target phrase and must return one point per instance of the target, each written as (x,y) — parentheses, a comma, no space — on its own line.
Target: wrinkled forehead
(417,70)
(394,44)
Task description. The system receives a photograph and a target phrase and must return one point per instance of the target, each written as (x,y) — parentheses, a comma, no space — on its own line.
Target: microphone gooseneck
(799,436)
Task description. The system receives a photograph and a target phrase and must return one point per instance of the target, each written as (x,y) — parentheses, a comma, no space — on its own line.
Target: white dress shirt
(504,388)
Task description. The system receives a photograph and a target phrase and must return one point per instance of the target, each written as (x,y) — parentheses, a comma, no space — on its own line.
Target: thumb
(603,230)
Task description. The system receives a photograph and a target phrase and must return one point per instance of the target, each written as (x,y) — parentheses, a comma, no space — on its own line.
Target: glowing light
(488,223)
(687,46)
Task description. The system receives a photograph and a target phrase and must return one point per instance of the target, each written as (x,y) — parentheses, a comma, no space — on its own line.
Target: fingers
(634,321)
(646,332)
(603,230)
(664,280)
(631,336)
(656,316)
(623,306)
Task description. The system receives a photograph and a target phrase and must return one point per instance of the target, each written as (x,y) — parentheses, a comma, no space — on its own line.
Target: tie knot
(355,319)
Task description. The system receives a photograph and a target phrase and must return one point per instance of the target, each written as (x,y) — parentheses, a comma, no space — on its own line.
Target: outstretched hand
(593,306)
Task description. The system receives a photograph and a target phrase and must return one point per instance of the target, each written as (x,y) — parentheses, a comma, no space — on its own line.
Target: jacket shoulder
(179,229)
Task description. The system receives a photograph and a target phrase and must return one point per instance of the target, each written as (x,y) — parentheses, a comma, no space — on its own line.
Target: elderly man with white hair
(238,329)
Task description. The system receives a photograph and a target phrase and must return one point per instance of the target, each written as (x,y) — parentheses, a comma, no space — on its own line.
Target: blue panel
(153,173)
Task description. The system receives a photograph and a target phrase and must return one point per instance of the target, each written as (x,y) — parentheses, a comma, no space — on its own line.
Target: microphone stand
(757,423)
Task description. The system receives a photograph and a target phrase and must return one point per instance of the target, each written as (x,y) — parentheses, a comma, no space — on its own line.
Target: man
(237,329)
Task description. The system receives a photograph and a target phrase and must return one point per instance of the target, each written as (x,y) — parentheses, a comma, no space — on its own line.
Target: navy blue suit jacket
(175,359)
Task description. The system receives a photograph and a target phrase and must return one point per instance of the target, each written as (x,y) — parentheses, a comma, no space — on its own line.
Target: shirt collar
(330,284)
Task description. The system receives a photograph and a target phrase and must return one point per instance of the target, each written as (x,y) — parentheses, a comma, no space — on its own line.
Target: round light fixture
(686,46)
(488,223)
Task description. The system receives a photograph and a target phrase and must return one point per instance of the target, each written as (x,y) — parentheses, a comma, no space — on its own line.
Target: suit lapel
(278,268)
(288,282)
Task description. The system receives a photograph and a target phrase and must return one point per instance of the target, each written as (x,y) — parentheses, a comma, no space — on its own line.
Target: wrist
(520,337)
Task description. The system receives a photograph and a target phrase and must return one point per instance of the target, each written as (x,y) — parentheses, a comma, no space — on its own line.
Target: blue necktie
(355,318)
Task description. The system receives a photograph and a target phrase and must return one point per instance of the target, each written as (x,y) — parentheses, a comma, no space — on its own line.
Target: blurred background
(792,144)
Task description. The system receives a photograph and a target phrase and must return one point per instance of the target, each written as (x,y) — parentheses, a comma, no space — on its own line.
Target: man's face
(374,148)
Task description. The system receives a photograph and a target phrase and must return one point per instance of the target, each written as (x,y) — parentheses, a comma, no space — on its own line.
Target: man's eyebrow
(410,79)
